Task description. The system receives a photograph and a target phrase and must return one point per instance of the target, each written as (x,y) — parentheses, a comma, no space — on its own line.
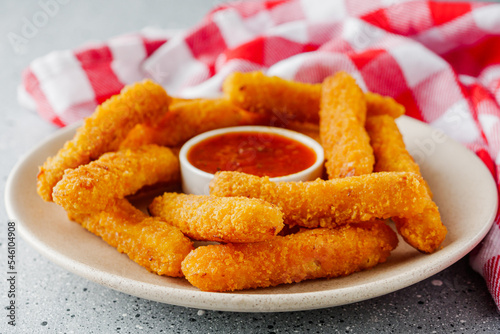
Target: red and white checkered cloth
(440,60)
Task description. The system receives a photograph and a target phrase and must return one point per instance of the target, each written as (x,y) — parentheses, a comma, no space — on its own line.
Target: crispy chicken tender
(104,131)
(389,147)
(306,255)
(223,219)
(186,119)
(424,231)
(342,128)
(93,187)
(289,100)
(273,96)
(334,202)
(377,104)
(150,242)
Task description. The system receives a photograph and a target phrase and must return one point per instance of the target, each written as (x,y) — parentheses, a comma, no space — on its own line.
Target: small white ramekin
(196,181)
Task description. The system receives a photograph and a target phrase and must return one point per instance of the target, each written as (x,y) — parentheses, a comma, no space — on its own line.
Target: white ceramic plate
(462,186)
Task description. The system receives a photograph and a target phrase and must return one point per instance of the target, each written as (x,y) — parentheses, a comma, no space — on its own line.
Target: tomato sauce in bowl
(280,154)
(261,154)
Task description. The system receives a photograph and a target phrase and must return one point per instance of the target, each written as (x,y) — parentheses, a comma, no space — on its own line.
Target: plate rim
(233,301)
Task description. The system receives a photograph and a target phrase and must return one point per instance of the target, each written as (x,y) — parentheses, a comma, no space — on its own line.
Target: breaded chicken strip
(93,187)
(289,100)
(150,242)
(223,219)
(186,119)
(104,131)
(388,147)
(334,202)
(377,104)
(424,231)
(306,255)
(273,96)
(342,128)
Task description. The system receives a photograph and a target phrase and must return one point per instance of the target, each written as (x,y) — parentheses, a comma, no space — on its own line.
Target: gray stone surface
(52,300)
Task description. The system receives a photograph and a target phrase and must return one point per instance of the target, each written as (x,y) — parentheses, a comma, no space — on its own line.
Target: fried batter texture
(306,255)
(104,130)
(186,119)
(273,96)
(150,242)
(290,100)
(424,231)
(342,128)
(270,233)
(334,202)
(388,146)
(94,186)
(377,104)
(223,219)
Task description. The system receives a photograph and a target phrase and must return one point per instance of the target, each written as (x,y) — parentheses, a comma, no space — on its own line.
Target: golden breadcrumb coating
(334,202)
(342,128)
(186,119)
(104,131)
(271,233)
(377,104)
(93,187)
(223,219)
(388,147)
(424,231)
(287,100)
(317,253)
(150,242)
(290,100)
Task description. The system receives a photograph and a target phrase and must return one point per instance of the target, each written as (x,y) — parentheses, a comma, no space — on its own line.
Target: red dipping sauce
(255,153)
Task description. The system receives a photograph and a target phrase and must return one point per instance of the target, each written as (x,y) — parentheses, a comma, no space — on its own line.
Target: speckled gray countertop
(52,300)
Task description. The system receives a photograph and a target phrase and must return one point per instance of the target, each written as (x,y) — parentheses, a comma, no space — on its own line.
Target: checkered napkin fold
(440,60)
